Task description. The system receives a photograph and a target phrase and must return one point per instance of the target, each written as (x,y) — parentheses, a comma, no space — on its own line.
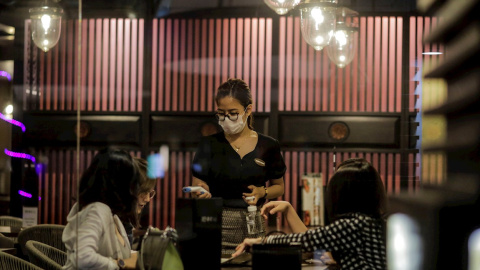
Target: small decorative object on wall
(84,129)
(338,131)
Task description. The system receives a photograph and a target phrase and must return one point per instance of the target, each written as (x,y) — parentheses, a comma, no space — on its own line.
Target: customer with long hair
(94,236)
(356,205)
(145,194)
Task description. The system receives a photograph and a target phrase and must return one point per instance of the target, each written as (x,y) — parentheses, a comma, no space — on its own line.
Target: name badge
(259,162)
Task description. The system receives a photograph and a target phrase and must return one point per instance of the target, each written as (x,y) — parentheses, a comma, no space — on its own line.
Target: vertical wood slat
(109,78)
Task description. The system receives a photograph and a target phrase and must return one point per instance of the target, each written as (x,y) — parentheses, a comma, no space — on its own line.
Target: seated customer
(145,194)
(356,205)
(94,236)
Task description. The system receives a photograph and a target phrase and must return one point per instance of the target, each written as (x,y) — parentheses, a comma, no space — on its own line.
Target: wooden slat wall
(161,209)
(111,72)
(58,182)
(192,57)
(189,61)
(372,82)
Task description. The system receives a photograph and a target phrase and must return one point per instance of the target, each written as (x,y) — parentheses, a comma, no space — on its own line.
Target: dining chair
(6,242)
(11,221)
(45,256)
(11,262)
(50,234)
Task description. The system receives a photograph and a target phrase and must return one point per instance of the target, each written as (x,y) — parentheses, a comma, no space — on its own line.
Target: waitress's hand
(206,195)
(258,192)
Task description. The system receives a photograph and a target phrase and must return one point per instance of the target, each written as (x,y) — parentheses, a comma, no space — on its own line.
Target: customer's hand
(247,243)
(273,207)
(131,262)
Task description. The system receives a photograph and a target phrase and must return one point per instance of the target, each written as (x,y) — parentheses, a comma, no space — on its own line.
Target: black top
(228,176)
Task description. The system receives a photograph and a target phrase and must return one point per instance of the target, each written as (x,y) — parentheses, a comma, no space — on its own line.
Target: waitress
(237,163)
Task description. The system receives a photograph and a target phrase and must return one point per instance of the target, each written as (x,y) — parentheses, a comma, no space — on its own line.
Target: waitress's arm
(201,183)
(276,188)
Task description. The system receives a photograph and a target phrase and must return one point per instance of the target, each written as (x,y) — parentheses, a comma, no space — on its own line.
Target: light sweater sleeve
(93,226)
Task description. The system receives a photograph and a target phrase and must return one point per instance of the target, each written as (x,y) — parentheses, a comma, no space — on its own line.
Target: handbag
(159,251)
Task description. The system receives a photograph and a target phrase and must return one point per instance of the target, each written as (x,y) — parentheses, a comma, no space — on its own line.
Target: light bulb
(317,15)
(343,46)
(46,26)
(341,37)
(281,7)
(317,25)
(46,19)
(9,109)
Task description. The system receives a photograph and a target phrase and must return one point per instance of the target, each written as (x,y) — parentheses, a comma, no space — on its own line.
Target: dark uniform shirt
(228,175)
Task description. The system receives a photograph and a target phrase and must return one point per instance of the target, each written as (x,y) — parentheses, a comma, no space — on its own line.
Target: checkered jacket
(355,240)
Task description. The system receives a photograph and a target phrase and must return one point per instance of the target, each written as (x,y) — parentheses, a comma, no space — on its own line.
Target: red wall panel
(309,81)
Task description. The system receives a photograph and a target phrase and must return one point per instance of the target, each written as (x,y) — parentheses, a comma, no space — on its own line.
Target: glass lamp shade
(318,25)
(281,7)
(46,26)
(343,46)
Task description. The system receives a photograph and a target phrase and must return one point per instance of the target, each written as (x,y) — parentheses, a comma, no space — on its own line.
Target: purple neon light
(28,195)
(24,194)
(5,74)
(13,122)
(19,155)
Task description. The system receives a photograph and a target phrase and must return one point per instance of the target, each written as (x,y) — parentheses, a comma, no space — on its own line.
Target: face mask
(233,127)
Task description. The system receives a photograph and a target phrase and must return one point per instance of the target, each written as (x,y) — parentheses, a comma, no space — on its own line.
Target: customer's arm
(293,220)
(90,230)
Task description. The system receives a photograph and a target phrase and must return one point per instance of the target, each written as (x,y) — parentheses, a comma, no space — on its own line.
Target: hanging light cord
(79,89)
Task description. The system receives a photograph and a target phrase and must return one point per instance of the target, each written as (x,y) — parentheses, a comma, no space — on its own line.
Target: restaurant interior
(403,93)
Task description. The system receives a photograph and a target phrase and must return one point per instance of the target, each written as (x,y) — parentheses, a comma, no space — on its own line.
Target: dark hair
(356,187)
(146,184)
(112,178)
(239,90)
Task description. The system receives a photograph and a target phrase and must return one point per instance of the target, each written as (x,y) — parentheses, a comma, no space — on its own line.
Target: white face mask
(233,127)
